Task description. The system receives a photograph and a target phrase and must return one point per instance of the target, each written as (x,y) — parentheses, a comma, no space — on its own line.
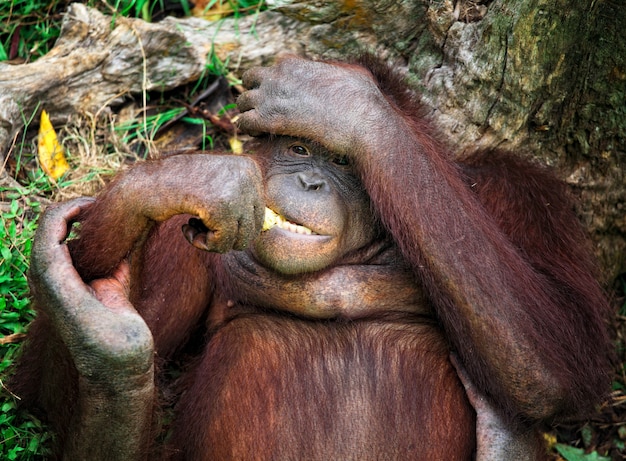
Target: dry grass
(96,152)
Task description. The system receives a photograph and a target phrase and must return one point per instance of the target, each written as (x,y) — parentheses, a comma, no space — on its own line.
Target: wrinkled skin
(398,252)
(496,436)
(300,187)
(106,337)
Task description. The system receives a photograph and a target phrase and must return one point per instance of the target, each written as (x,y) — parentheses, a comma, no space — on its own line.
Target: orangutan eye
(300,151)
(340,160)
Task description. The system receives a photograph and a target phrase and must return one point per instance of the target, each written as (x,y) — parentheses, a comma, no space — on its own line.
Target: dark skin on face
(312,188)
(325,334)
(324,212)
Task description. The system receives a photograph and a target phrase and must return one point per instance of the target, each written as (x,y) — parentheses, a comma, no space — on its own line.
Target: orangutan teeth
(274,219)
(294,228)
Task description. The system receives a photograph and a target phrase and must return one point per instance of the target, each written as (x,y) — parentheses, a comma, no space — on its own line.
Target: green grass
(18,227)
(21,435)
(28,28)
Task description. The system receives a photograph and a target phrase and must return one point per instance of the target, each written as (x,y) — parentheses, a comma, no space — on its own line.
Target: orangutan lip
(273,219)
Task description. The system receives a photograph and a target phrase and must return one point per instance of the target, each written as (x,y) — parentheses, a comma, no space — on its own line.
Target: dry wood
(97,60)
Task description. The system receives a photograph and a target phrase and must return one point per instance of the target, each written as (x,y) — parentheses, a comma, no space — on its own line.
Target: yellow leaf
(235,145)
(550,439)
(50,153)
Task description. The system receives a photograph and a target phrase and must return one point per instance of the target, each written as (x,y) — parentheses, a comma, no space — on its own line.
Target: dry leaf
(50,152)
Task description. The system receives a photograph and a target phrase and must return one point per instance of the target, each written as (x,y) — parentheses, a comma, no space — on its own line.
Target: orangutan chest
(319,390)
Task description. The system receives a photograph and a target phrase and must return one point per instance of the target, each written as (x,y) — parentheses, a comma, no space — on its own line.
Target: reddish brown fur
(268,387)
(304,375)
(527,214)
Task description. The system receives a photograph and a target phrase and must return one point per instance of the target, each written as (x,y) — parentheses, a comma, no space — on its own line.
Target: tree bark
(542,77)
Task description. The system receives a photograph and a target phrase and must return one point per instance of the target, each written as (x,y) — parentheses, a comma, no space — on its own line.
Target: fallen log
(98,59)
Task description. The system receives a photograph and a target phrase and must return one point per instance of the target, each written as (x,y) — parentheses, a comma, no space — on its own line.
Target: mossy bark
(548,78)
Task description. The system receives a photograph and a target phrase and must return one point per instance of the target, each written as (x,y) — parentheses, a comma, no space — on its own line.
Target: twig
(14,338)
(206,93)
